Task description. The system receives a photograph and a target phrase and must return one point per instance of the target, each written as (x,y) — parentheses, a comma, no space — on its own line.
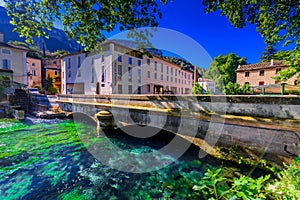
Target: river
(55,159)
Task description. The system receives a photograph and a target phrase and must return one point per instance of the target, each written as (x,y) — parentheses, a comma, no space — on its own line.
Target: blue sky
(212,31)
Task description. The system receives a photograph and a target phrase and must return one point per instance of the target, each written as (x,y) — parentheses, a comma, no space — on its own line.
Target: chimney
(195,74)
(1,37)
(272,62)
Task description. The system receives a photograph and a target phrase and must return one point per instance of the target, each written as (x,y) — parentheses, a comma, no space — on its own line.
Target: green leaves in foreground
(83,20)
(213,185)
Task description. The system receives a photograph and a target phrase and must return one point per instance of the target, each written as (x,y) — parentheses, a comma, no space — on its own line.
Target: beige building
(34,72)
(261,73)
(13,58)
(118,69)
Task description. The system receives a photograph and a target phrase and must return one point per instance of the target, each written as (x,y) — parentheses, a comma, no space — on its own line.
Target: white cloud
(1,3)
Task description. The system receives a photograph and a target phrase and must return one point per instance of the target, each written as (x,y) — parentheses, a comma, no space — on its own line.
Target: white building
(208,85)
(117,69)
(13,58)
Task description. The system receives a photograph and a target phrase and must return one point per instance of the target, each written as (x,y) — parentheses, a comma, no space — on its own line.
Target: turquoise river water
(47,159)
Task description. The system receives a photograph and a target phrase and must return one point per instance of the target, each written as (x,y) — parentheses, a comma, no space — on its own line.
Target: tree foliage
(222,69)
(198,89)
(84,20)
(277,21)
(292,59)
(49,85)
(235,89)
(268,54)
(59,53)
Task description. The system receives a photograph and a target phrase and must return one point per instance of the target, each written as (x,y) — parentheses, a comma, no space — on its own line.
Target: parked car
(33,91)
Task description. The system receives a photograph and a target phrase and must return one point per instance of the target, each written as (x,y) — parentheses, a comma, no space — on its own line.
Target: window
(129,74)
(54,62)
(33,72)
(278,70)
(155,75)
(129,89)
(119,58)
(130,61)
(148,88)
(296,82)
(78,73)
(155,66)
(6,51)
(262,72)
(102,58)
(261,83)
(103,74)
(148,74)
(161,77)
(139,63)
(78,61)
(69,73)
(148,61)
(246,83)
(55,73)
(162,68)
(247,74)
(93,75)
(32,64)
(167,78)
(176,73)
(139,75)
(69,63)
(120,72)
(6,64)
(120,89)
(171,79)
(167,69)
(171,71)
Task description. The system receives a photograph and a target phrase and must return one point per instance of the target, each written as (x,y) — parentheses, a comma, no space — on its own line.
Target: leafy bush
(287,186)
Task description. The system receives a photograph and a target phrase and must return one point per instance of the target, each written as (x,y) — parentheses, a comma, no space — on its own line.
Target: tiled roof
(205,80)
(264,65)
(13,46)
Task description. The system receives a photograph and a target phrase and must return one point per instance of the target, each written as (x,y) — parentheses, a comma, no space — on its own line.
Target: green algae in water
(50,161)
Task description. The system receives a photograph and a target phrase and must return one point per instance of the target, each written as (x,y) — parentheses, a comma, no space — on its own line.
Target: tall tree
(84,20)
(222,69)
(277,21)
(268,54)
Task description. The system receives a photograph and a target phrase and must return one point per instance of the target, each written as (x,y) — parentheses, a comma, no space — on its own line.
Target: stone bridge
(264,125)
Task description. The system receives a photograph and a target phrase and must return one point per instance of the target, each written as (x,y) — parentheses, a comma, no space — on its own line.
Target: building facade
(53,70)
(34,72)
(13,58)
(117,69)
(208,85)
(262,74)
